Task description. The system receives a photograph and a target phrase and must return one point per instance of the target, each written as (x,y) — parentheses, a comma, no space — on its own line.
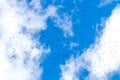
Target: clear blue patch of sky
(83,74)
(114,75)
(85,16)
(28,1)
(53,37)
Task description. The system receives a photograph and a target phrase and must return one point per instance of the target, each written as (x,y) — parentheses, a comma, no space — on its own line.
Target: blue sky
(85,16)
(59,39)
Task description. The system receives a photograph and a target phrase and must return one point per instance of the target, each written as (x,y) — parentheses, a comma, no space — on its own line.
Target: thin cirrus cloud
(65,25)
(102,58)
(20,52)
(106,2)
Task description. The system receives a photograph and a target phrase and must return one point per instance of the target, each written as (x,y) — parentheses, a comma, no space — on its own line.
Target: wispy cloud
(106,2)
(73,44)
(65,23)
(102,57)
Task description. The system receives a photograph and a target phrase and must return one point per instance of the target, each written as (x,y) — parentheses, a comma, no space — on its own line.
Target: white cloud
(106,2)
(69,70)
(73,44)
(65,23)
(62,21)
(101,58)
(19,52)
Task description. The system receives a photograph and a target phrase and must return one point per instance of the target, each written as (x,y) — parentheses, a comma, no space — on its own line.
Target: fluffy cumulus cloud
(20,51)
(71,69)
(102,58)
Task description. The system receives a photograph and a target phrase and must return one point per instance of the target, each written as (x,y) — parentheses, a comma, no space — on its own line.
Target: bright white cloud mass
(101,58)
(20,53)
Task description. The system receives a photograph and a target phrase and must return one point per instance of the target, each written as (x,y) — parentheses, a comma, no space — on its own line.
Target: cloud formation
(20,52)
(102,58)
(106,2)
(65,23)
